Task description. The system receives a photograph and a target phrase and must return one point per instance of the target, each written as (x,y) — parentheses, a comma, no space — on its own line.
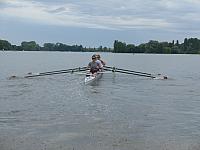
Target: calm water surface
(119,112)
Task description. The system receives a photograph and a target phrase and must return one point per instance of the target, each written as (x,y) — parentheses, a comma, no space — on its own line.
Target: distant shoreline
(99,52)
(189,46)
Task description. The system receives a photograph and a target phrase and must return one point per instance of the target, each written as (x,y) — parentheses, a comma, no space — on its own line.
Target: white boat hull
(91,78)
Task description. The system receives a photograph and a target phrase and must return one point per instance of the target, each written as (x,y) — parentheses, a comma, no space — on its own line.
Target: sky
(92,23)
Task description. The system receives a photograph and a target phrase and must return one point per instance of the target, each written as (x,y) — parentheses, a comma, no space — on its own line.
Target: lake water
(119,112)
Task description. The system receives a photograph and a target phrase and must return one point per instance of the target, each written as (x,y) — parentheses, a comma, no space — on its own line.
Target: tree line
(189,46)
(33,46)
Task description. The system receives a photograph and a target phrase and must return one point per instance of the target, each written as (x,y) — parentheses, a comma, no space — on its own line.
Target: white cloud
(110,14)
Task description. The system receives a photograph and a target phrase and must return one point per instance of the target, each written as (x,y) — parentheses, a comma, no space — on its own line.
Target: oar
(143,75)
(37,75)
(57,72)
(78,69)
(114,69)
(45,74)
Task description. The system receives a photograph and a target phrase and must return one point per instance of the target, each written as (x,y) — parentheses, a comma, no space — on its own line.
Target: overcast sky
(97,22)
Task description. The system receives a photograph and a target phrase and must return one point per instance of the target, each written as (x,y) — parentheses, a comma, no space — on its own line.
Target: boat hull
(91,78)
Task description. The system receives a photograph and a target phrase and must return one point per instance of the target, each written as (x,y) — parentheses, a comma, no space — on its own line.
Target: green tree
(177,43)
(141,48)
(100,48)
(48,46)
(119,47)
(105,49)
(17,48)
(175,50)
(130,48)
(153,47)
(30,46)
(166,50)
(5,45)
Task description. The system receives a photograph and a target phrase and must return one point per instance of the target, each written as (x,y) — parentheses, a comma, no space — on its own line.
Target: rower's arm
(103,62)
(89,66)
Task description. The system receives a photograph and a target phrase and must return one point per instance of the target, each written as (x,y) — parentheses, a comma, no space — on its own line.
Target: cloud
(110,14)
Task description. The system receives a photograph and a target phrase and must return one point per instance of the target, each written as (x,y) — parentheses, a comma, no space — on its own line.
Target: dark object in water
(12,77)
(165,77)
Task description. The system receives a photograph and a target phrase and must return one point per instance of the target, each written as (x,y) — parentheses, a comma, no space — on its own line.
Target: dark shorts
(94,70)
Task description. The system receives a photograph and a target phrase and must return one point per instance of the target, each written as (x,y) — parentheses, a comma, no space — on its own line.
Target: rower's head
(93,57)
(98,56)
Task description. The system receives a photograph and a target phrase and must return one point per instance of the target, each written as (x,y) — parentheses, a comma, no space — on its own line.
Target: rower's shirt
(93,65)
(100,64)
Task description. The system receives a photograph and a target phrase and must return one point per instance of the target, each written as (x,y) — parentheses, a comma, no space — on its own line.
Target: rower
(93,65)
(99,61)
